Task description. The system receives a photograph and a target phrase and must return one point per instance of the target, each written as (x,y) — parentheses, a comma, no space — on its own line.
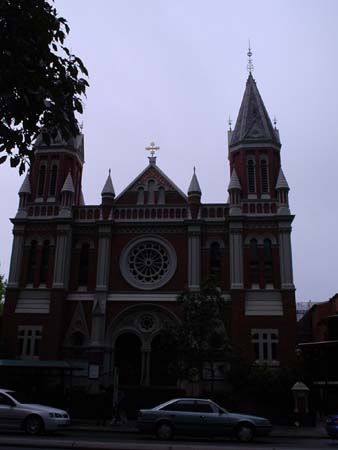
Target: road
(132,441)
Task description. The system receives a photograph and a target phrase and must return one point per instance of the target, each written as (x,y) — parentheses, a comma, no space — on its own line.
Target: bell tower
(52,165)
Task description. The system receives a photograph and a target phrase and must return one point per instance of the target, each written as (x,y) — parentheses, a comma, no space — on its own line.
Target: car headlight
(55,415)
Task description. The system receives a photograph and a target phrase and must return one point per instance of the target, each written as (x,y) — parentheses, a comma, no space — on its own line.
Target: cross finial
(152,148)
(250,66)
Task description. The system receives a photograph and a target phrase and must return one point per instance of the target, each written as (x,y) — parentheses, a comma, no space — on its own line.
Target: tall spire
(253,125)
(194,187)
(108,188)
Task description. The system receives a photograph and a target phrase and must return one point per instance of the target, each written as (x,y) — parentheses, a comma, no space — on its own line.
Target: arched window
(264,176)
(41,181)
(84,264)
(251,176)
(32,262)
(151,192)
(268,272)
(254,262)
(53,178)
(161,196)
(140,196)
(44,262)
(215,259)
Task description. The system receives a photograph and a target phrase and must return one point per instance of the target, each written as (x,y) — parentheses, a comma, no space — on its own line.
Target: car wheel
(164,431)
(33,425)
(245,432)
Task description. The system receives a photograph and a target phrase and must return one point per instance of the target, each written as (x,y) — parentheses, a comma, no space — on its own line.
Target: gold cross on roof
(152,148)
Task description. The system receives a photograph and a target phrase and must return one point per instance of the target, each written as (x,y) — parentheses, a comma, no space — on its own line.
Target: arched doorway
(163,366)
(128,359)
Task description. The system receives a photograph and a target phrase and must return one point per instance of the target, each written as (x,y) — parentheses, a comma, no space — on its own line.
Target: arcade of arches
(138,350)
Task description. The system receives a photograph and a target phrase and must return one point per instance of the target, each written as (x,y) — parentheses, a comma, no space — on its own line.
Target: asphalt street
(127,441)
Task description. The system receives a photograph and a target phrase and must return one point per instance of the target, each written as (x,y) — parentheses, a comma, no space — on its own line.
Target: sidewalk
(318,432)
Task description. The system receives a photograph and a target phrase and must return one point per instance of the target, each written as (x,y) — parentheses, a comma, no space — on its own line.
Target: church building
(93,285)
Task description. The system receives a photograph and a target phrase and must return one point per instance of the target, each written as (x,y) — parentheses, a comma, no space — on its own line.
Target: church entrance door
(128,359)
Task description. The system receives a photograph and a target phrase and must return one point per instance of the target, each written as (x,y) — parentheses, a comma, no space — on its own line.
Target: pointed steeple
(281,181)
(68,185)
(253,125)
(234,182)
(108,188)
(26,186)
(194,187)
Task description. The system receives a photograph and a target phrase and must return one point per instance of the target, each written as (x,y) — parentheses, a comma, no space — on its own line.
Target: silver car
(197,416)
(30,417)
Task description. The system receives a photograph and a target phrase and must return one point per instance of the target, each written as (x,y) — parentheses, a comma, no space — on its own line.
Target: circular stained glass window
(148,263)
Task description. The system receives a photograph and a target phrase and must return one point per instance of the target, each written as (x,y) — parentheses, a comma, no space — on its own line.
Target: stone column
(285,256)
(62,256)
(16,257)
(103,258)
(145,366)
(236,255)
(194,257)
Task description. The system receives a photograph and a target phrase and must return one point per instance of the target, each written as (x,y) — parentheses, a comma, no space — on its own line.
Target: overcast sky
(173,71)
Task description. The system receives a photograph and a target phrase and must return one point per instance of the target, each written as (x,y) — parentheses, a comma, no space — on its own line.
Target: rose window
(148,263)
(146,322)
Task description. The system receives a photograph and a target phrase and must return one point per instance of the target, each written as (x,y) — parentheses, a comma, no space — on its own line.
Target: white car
(30,417)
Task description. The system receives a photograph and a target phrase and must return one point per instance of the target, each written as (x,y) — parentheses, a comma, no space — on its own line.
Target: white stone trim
(146,297)
(263,303)
(33,302)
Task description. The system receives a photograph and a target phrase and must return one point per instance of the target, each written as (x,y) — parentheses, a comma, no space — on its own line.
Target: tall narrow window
(32,262)
(215,259)
(53,178)
(264,176)
(161,196)
(254,262)
(41,181)
(151,192)
(268,272)
(84,263)
(44,263)
(140,196)
(251,176)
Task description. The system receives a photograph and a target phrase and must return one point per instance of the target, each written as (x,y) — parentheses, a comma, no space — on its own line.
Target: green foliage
(202,336)
(2,292)
(41,82)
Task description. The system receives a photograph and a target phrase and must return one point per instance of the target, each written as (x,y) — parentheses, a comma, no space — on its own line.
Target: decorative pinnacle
(194,169)
(250,66)
(152,148)
(274,121)
(229,123)
(109,171)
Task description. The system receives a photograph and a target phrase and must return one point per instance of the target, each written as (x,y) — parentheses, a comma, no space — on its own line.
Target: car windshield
(20,397)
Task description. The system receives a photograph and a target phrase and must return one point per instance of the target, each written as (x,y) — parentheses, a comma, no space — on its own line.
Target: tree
(41,82)
(201,338)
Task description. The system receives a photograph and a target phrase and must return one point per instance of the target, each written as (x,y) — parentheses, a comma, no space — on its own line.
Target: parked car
(332,426)
(195,416)
(16,412)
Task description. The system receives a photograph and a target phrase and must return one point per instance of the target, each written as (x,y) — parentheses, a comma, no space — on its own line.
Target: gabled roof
(194,187)
(152,171)
(234,181)
(281,181)
(26,186)
(253,123)
(108,188)
(68,185)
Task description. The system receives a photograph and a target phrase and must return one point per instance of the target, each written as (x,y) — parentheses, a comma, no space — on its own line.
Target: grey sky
(173,71)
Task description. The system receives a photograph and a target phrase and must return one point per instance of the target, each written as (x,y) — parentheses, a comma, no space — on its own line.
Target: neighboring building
(92,285)
(318,349)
